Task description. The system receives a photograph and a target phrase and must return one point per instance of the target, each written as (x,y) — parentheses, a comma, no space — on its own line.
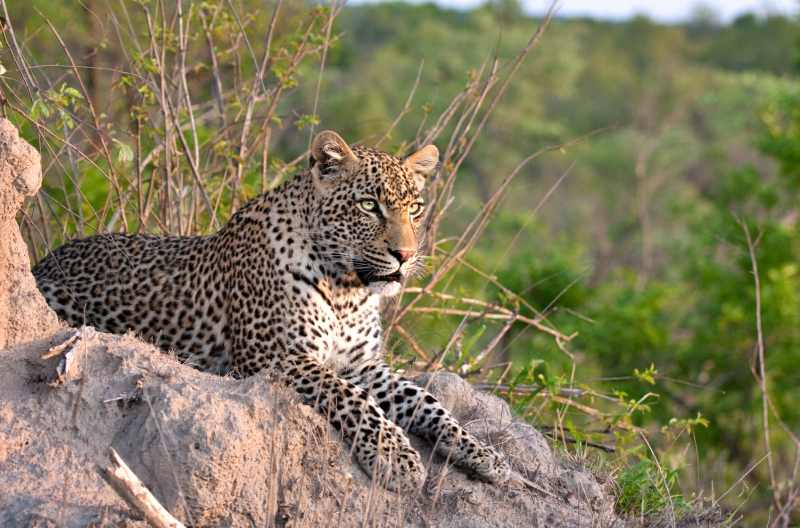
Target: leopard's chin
(385,288)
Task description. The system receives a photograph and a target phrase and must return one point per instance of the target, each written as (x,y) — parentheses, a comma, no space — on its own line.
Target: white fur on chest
(350,335)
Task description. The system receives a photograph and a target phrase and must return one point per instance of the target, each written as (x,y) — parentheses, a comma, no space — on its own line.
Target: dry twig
(125,482)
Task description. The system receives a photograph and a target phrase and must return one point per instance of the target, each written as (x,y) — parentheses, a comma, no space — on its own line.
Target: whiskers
(418,267)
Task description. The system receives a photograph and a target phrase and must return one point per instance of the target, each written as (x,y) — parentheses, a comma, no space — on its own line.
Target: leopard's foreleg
(419,412)
(380,446)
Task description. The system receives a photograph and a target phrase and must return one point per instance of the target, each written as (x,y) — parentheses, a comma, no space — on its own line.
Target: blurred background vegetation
(611,294)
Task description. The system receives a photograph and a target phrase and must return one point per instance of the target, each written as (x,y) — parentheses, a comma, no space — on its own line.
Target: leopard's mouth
(367,277)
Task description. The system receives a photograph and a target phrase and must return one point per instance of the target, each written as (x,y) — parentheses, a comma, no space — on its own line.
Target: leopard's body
(292,283)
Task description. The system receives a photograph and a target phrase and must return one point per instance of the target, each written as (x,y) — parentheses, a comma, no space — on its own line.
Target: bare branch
(125,482)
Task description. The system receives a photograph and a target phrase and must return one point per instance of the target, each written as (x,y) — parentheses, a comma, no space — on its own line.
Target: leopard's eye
(416,208)
(370,206)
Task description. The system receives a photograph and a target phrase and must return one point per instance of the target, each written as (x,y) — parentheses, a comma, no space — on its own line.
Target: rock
(490,418)
(24,314)
(222,452)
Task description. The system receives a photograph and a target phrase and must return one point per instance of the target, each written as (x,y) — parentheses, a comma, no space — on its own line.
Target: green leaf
(648,375)
(39,109)
(124,152)
(72,92)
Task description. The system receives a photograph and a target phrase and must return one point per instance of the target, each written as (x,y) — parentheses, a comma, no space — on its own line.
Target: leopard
(292,284)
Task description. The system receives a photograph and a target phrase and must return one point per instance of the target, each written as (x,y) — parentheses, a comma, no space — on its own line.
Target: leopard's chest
(358,337)
(342,332)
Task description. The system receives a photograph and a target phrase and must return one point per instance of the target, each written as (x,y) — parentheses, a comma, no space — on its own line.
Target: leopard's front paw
(404,471)
(490,465)
(391,461)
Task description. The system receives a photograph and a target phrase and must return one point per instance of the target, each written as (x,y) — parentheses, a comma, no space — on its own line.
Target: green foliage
(763,43)
(645,489)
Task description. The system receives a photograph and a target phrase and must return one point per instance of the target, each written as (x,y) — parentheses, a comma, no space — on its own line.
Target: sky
(661,10)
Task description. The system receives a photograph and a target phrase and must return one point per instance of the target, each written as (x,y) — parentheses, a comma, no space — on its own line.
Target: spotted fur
(293,284)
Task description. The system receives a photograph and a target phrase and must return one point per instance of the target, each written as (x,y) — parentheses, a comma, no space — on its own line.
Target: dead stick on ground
(125,482)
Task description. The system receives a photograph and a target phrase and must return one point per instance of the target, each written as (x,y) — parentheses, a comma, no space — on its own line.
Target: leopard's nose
(402,255)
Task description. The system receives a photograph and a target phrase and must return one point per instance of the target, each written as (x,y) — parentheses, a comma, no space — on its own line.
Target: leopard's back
(166,289)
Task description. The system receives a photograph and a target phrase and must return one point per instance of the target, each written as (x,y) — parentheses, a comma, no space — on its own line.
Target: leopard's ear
(423,163)
(330,155)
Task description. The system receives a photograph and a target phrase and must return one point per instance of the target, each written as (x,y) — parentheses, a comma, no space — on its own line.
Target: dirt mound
(24,314)
(217,451)
(222,452)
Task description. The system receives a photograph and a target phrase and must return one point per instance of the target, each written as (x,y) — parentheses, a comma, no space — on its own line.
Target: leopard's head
(369,209)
